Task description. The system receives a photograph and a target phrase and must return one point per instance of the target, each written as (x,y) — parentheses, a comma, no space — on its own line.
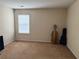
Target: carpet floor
(32,50)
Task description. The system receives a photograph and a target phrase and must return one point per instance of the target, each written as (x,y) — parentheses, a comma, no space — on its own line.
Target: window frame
(29,24)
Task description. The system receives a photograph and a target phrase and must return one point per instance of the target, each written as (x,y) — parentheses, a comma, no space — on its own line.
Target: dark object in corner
(63,39)
(1,43)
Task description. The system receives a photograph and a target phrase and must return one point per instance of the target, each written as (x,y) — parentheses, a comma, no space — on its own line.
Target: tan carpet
(29,50)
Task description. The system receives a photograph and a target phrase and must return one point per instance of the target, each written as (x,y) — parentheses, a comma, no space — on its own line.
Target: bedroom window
(23,24)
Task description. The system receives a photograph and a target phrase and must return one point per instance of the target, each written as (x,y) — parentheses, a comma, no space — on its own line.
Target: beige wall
(6,24)
(73,28)
(41,23)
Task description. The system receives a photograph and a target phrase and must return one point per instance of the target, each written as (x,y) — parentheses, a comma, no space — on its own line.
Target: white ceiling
(37,3)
